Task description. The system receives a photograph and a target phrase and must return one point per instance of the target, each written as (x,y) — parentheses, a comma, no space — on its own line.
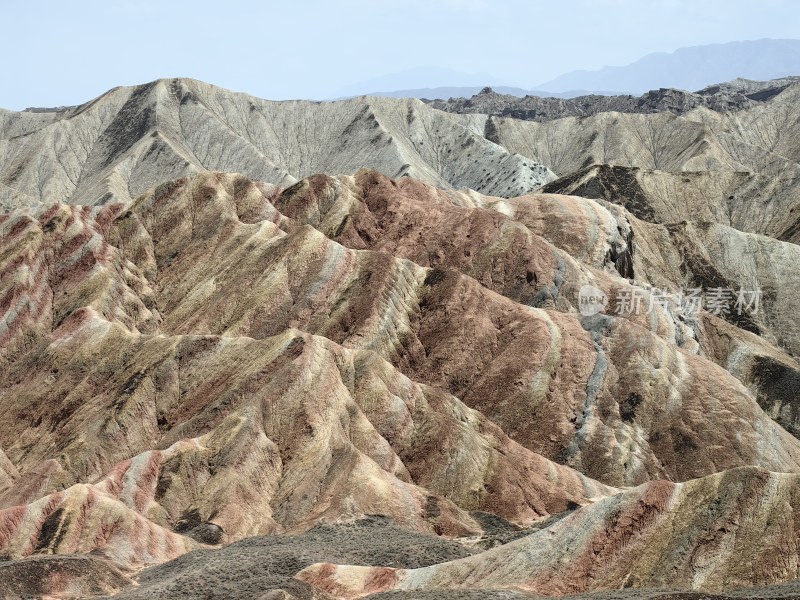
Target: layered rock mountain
(221,360)
(309,379)
(746,201)
(629,540)
(118,145)
(726,154)
(735,168)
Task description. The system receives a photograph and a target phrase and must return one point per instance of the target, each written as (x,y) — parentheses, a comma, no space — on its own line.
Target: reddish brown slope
(575,398)
(719,533)
(203,367)
(233,435)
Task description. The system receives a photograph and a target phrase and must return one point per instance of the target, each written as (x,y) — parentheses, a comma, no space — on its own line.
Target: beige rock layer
(722,532)
(209,364)
(132,138)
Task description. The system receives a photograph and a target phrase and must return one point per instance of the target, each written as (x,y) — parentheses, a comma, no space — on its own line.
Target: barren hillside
(130,139)
(235,363)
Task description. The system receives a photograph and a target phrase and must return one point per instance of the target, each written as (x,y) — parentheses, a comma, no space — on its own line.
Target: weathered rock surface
(222,359)
(735,166)
(712,256)
(258,565)
(119,414)
(761,140)
(748,202)
(66,576)
(467,335)
(132,138)
(563,242)
(735,95)
(724,531)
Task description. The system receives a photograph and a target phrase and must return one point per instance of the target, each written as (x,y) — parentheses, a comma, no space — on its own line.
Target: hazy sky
(61,53)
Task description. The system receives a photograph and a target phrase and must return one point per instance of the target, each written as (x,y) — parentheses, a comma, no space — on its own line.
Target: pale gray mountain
(690,68)
(131,138)
(735,167)
(728,152)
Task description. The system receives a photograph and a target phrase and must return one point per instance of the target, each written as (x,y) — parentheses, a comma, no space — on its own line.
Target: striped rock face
(222,359)
(720,532)
(115,147)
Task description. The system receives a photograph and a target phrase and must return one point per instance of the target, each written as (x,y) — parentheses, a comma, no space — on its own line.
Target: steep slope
(707,255)
(660,141)
(540,249)
(743,200)
(221,360)
(683,157)
(440,328)
(714,534)
(771,375)
(130,139)
(202,271)
(726,154)
(772,129)
(119,417)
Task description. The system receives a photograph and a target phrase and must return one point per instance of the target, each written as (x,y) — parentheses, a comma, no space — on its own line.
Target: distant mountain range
(690,69)
(437,93)
(420,80)
(731,96)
